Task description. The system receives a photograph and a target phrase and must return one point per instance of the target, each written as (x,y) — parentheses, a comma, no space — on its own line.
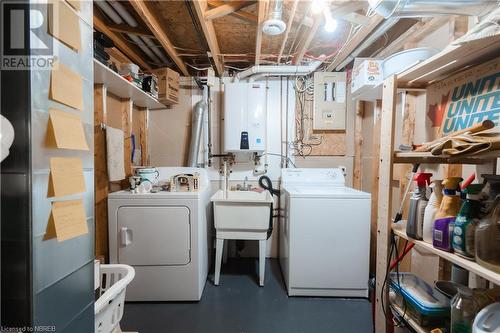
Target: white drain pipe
(276,70)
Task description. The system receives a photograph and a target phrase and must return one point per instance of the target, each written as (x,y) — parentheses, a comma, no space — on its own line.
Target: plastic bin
(109,306)
(422,303)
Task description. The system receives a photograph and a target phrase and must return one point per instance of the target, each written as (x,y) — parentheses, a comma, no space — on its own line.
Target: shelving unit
(441,66)
(122,88)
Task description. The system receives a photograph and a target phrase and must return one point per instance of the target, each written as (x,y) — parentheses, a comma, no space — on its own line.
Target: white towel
(115,154)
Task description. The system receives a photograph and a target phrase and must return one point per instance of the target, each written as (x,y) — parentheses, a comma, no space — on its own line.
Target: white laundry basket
(109,306)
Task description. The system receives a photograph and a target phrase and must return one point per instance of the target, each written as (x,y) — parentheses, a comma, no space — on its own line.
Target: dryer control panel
(313,176)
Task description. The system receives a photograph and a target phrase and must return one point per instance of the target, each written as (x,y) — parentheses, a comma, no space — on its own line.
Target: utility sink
(242,211)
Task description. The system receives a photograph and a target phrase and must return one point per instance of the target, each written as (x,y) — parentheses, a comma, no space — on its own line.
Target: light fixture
(317,6)
(330,22)
(275,25)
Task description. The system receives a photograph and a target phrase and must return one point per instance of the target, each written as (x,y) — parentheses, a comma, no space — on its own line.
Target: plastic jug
(488,239)
(445,217)
(431,209)
(466,221)
(418,203)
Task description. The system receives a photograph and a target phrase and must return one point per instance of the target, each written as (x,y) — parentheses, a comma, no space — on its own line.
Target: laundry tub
(244,215)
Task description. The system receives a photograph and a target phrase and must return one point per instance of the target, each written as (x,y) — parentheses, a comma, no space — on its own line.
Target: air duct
(197,120)
(275,25)
(278,70)
(432,8)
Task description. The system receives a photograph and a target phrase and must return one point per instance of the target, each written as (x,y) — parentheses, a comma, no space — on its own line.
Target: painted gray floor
(240,305)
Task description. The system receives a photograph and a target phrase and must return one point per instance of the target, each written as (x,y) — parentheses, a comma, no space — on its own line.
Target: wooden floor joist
(288,28)
(209,32)
(261,15)
(120,43)
(242,15)
(155,27)
(304,46)
(226,9)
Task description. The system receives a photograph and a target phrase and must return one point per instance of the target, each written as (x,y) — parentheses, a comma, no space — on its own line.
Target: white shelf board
(416,327)
(471,266)
(122,88)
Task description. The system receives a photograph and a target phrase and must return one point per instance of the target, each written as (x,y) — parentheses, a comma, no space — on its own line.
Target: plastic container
(445,217)
(488,239)
(487,320)
(424,304)
(148,175)
(109,306)
(129,70)
(431,209)
(463,310)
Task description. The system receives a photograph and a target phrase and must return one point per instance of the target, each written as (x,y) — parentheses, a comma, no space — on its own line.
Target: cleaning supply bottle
(466,221)
(445,217)
(432,208)
(418,202)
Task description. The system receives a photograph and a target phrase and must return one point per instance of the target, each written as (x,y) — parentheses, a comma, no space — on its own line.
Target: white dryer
(165,237)
(324,234)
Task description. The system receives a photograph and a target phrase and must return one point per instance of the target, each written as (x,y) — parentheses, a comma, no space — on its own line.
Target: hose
(266,183)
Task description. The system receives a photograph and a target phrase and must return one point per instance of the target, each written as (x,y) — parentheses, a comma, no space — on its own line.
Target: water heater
(244,117)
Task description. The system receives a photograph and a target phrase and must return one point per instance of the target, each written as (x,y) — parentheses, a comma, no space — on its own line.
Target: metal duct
(277,70)
(196,130)
(432,8)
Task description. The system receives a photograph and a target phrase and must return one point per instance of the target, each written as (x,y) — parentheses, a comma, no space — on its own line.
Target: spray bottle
(445,217)
(432,208)
(418,202)
(466,221)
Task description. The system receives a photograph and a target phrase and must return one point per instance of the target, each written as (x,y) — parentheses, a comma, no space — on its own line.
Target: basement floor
(238,304)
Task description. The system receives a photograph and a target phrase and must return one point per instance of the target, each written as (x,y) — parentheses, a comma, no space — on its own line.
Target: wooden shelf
(122,88)
(412,323)
(469,265)
(426,157)
(451,60)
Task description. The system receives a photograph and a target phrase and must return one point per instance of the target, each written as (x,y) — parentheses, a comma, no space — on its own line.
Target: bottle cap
(452,183)
(422,178)
(473,189)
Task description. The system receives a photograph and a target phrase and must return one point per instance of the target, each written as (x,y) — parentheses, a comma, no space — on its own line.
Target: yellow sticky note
(75,4)
(67,220)
(66,177)
(65,131)
(64,24)
(66,86)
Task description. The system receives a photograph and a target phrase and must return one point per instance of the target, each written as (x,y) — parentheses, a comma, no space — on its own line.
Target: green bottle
(466,221)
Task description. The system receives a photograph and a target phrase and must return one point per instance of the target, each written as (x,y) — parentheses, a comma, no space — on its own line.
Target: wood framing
(355,41)
(288,28)
(387,121)
(127,109)
(377,111)
(226,9)
(242,15)
(100,25)
(209,31)
(124,28)
(304,46)
(261,13)
(358,143)
(155,27)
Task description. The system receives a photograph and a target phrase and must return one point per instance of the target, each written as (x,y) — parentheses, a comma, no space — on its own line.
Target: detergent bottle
(418,202)
(466,221)
(432,208)
(445,217)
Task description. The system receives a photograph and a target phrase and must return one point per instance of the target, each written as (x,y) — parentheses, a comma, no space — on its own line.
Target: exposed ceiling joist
(261,15)
(127,29)
(399,42)
(226,9)
(242,15)
(304,46)
(153,24)
(288,28)
(355,41)
(209,32)
(100,25)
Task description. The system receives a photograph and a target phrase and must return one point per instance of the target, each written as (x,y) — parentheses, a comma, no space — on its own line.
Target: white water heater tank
(245,117)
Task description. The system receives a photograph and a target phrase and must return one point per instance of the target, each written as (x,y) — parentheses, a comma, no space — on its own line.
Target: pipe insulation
(196,128)
(275,70)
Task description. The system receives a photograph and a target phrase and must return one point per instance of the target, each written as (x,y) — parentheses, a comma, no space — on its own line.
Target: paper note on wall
(66,177)
(66,86)
(64,24)
(65,131)
(75,4)
(67,220)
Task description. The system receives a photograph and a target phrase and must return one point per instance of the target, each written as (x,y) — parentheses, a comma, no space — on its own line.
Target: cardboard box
(367,78)
(168,86)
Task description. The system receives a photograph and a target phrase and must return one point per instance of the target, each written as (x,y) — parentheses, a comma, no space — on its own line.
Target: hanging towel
(115,154)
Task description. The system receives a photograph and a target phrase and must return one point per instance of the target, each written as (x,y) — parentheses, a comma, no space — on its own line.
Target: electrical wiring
(197,68)
(282,157)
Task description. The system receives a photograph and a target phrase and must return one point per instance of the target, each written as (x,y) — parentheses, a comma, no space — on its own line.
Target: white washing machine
(165,237)
(324,234)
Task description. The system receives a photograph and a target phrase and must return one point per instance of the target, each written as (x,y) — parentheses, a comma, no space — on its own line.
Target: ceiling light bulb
(317,6)
(330,22)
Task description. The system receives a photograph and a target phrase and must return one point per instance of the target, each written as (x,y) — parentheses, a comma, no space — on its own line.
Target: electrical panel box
(329,101)
(245,116)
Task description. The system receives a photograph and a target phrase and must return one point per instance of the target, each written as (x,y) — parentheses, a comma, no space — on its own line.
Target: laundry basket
(109,306)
